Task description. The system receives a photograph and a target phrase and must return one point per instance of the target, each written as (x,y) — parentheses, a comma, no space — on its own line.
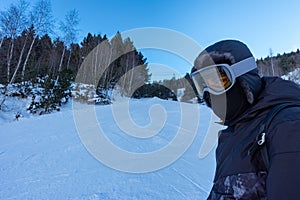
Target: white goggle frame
(234,70)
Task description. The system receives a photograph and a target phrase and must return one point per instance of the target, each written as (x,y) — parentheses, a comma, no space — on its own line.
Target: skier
(226,77)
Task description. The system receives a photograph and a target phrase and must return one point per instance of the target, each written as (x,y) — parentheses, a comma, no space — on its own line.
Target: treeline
(181,89)
(279,65)
(112,59)
(28,52)
(37,52)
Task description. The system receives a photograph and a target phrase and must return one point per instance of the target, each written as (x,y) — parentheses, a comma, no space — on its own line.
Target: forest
(30,55)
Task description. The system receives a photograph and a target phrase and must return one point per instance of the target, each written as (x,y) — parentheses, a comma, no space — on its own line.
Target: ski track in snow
(189,180)
(43,158)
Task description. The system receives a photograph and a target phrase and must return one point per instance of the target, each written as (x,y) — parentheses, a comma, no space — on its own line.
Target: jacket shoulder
(284,132)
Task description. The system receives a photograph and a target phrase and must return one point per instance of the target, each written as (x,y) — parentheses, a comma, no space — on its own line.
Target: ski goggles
(219,78)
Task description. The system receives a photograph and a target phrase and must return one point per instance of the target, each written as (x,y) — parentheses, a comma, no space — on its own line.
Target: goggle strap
(243,66)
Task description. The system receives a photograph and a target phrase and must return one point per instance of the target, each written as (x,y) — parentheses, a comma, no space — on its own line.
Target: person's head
(226,78)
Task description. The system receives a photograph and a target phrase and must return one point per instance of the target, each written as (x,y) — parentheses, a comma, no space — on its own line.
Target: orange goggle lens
(215,79)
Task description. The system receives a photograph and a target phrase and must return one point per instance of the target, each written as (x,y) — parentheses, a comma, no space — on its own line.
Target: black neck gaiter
(228,106)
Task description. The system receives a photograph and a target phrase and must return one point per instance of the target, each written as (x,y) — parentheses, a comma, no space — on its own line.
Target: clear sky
(260,24)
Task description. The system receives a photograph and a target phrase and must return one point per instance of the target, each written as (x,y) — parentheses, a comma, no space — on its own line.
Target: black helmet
(230,52)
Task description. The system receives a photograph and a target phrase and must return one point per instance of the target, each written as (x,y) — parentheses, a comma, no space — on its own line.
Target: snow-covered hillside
(43,157)
(293,76)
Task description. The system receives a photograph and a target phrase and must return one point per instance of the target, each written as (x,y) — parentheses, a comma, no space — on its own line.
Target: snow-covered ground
(293,76)
(60,156)
(43,157)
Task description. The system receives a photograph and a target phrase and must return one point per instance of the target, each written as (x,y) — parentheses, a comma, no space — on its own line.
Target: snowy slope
(293,76)
(43,158)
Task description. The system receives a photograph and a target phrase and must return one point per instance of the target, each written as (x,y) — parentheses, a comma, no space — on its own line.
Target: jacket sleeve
(283,181)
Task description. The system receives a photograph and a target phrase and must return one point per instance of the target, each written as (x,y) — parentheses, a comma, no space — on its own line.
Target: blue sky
(260,24)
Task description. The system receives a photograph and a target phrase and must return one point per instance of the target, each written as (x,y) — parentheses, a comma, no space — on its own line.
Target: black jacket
(240,176)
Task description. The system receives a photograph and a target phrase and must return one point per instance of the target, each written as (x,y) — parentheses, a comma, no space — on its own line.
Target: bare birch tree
(14,20)
(2,35)
(42,20)
(272,64)
(70,30)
